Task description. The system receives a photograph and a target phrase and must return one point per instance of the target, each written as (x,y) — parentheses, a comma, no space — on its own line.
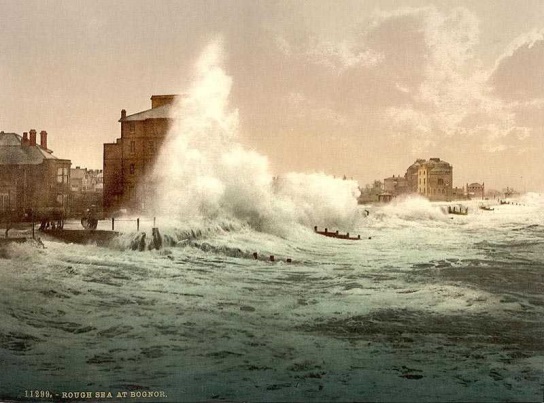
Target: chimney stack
(25,139)
(33,137)
(123,113)
(43,139)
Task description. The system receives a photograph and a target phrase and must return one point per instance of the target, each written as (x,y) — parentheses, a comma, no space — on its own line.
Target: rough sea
(425,307)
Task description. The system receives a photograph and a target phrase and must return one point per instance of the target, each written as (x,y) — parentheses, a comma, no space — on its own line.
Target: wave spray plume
(203,173)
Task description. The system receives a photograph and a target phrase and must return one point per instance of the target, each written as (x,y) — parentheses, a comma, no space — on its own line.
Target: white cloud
(414,73)
(495,148)
(342,55)
(518,75)
(309,110)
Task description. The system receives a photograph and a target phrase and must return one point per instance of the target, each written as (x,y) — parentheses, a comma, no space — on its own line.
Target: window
(132,169)
(62,175)
(132,146)
(4,202)
(132,127)
(441,182)
(150,147)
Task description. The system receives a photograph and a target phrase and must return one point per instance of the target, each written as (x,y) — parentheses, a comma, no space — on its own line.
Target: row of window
(440,181)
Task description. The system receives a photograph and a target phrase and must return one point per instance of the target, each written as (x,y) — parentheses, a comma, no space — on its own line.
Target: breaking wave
(205,174)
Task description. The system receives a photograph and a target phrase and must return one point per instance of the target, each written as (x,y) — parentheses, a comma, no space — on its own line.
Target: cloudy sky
(360,88)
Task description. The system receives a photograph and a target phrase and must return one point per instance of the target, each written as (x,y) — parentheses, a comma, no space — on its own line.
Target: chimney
(160,100)
(43,139)
(25,139)
(123,113)
(33,137)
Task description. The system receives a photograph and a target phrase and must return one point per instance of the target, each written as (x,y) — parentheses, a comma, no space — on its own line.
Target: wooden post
(113,223)
(154,220)
(137,224)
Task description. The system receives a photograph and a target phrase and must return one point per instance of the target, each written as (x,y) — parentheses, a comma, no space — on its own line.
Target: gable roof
(160,112)
(13,153)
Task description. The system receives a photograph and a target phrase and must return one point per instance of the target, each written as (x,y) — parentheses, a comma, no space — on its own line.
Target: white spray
(204,174)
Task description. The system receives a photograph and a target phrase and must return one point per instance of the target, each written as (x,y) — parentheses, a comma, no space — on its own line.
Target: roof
(160,112)
(437,165)
(12,153)
(441,168)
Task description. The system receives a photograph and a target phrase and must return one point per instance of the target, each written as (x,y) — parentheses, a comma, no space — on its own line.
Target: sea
(246,302)
(426,306)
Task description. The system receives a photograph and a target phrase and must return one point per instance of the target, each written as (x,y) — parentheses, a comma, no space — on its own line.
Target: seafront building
(128,161)
(434,179)
(395,185)
(431,178)
(32,179)
(475,191)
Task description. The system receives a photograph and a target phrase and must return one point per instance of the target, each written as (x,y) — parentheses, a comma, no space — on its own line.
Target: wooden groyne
(337,235)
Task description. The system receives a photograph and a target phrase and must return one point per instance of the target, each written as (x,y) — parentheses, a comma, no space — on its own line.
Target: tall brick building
(31,177)
(131,157)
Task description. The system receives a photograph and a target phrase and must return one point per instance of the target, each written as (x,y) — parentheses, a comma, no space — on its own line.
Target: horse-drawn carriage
(50,218)
(90,219)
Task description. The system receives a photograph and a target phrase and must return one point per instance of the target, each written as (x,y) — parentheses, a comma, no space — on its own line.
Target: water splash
(205,174)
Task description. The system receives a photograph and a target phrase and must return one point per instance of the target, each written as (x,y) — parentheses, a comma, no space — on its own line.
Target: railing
(137,220)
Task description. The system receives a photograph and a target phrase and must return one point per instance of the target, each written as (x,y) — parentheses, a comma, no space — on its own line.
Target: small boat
(486,208)
(337,235)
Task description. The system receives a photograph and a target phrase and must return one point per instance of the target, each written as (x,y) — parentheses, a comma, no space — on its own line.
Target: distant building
(412,176)
(131,157)
(371,193)
(432,179)
(395,185)
(458,193)
(509,192)
(31,177)
(86,186)
(86,180)
(475,191)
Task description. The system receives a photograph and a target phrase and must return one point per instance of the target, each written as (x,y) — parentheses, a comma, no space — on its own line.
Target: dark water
(428,309)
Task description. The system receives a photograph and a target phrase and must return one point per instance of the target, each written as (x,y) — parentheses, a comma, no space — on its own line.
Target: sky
(356,88)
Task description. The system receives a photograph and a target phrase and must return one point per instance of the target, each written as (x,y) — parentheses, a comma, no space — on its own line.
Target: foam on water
(204,173)
(451,303)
